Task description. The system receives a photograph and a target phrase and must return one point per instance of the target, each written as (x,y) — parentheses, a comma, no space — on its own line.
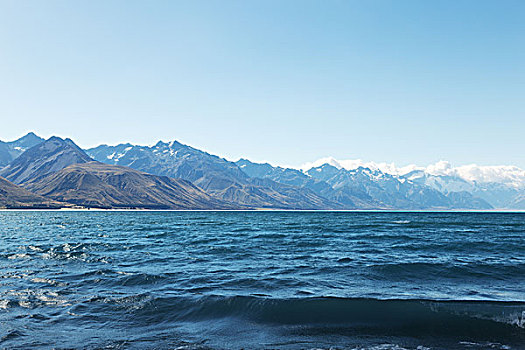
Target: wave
(412,317)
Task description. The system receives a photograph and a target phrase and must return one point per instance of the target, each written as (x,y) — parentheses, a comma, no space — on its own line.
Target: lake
(259,280)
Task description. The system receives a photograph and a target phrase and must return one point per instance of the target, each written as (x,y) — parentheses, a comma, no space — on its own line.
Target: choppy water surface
(280,280)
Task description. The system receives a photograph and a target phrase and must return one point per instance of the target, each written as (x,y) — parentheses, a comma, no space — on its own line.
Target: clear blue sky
(282,81)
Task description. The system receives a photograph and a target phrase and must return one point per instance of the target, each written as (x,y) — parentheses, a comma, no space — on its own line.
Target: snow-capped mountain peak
(504,174)
(352,164)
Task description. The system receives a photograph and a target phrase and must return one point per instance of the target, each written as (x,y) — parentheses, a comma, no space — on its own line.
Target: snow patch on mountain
(504,174)
(352,164)
(508,175)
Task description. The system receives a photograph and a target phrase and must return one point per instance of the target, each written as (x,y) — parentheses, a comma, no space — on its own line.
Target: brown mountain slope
(101,185)
(218,177)
(14,197)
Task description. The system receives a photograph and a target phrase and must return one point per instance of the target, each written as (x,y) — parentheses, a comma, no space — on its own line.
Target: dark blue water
(257,280)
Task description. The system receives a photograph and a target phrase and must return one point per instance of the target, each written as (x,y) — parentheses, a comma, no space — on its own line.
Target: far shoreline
(488,211)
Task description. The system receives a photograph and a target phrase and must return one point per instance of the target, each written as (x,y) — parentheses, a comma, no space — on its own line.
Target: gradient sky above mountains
(282,81)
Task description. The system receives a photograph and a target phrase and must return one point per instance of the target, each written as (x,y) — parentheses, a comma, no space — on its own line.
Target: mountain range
(53,173)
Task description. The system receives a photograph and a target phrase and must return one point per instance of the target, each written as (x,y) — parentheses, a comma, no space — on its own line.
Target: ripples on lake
(262,280)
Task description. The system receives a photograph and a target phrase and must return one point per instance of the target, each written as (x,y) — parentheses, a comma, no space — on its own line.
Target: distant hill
(16,197)
(95,184)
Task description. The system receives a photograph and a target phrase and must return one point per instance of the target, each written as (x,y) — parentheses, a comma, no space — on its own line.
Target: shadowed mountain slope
(14,197)
(13,149)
